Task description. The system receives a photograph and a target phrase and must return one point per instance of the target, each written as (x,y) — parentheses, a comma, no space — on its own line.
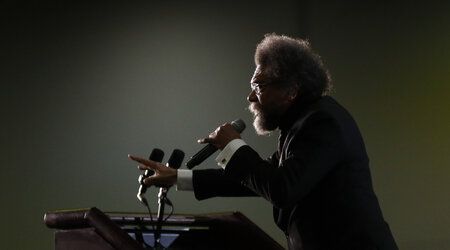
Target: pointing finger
(140,160)
(135,158)
(153,165)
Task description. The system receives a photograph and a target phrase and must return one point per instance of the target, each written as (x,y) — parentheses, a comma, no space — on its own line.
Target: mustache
(255,108)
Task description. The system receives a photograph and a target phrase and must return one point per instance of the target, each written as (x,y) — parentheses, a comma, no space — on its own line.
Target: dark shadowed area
(84,84)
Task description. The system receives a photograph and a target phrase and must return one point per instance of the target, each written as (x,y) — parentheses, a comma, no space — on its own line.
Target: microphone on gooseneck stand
(175,161)
(156,155)
(209,149)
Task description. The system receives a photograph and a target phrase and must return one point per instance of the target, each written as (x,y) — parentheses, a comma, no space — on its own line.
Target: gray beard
(263,122)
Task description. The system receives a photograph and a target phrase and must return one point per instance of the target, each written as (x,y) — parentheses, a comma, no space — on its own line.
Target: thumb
(205,140)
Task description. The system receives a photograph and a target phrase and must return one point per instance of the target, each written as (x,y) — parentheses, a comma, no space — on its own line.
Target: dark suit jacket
(318,181)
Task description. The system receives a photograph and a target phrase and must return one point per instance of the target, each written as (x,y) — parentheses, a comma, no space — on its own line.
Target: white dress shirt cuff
(184,180)
(226,154)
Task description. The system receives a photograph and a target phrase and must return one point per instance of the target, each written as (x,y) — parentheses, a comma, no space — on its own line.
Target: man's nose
(252,97)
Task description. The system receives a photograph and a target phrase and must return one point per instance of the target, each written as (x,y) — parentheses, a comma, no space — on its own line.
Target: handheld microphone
(156,155)
(209,149)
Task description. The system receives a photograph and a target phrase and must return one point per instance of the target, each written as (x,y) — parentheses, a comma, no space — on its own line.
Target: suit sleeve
(210,183)
(311,150)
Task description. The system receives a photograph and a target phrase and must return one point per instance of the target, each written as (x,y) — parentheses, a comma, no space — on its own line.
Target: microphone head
(176,159)
(156,155)
(238,125)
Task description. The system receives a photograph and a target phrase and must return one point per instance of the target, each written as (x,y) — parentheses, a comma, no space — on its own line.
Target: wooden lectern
(94,230)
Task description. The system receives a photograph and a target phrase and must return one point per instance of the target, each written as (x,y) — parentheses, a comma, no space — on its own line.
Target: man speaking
(318,180)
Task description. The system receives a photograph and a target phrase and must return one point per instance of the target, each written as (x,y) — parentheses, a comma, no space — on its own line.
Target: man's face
(268,102)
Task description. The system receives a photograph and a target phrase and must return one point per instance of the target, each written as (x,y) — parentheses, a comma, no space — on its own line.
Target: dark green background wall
(84,84)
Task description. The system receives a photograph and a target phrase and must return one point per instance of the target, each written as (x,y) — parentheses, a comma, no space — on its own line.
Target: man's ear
(292,96)
(293,93)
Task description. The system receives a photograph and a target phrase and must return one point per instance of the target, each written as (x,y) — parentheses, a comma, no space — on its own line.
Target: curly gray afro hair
(292,62)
